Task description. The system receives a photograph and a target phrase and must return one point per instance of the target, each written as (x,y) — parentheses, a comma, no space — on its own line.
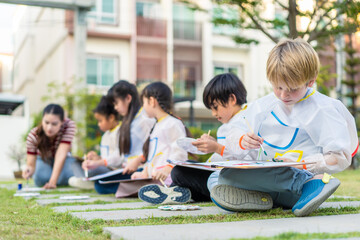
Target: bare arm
(30,166)
(60,157)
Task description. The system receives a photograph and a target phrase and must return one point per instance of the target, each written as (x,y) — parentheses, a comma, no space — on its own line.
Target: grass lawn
(21,219)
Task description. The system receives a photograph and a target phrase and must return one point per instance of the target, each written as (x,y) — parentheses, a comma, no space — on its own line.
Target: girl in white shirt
(161,144)
(133,131)
(108,122)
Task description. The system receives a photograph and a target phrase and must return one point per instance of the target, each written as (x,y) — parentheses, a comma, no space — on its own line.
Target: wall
(12,129)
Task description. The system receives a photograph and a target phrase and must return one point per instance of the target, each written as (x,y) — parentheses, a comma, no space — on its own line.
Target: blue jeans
(43,172)
(284,184)
(111,187)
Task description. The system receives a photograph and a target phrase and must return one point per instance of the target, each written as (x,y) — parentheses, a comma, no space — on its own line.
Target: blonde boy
(294,123)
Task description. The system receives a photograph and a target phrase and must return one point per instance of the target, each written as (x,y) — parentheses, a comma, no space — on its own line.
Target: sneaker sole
(165,195)
(235,199)
(312,205)
(80,184)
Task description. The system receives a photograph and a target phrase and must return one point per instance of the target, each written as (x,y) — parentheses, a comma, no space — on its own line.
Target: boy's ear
(232,99)
(311,82)
(152,101)
(111,117)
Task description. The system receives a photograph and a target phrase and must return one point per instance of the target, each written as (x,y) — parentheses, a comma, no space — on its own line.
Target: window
(148,10)
(220,68)
(186,79)
(184,23)
(101,71)
(104,11)
(228,14)
(148,20)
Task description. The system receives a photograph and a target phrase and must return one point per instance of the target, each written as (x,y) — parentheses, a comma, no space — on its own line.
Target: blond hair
(293,62)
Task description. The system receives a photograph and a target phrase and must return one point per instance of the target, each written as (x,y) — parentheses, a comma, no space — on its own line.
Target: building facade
(140,41)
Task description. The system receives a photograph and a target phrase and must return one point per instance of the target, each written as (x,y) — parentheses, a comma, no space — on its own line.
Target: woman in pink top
(48,149)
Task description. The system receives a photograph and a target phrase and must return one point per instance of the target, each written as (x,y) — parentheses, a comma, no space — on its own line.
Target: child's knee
(105,188)
(175,173)
(213,180)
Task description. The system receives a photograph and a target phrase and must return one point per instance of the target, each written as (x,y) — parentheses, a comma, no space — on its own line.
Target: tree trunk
(293,33)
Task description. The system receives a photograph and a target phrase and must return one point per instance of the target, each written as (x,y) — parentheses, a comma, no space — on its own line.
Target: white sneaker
(156,194)
(79,183)
(236,199)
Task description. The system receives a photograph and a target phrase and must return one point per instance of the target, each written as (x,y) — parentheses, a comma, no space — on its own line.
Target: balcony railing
(150,27)
(187,30)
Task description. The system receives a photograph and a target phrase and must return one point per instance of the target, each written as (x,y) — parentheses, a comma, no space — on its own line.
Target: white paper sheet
(185,143)
(241,164)
(124,180)
(104,175)
(74,197)
(26,194)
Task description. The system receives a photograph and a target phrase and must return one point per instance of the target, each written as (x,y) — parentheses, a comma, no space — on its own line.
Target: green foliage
(35,120)
(284,23)
(352,69)
(323,80)
(196,133)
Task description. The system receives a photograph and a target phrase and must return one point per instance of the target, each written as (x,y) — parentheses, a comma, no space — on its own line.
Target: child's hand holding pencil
(208,144)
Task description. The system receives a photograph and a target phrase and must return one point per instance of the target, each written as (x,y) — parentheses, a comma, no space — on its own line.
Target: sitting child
(225,95)
(159,147)
(296,124)
(108,122)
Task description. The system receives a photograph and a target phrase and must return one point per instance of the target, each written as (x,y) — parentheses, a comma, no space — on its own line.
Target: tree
(352,69)
(322,19)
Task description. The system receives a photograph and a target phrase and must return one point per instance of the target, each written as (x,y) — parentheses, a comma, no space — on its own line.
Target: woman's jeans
(43,172)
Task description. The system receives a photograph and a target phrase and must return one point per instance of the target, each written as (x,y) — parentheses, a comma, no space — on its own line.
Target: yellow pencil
(86,170)
(162,182)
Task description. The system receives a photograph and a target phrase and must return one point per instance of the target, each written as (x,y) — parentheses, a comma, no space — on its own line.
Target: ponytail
(163,95)
(121,90)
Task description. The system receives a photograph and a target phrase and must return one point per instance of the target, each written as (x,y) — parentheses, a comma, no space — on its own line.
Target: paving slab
(89,200)
(340,204)
(144,204)
(119,215)
(101,206)
(14,186)
(243,229)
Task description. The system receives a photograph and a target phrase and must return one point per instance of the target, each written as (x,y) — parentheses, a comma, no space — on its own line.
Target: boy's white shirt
(139,131)
(163,144)
(228,135)
(317,128)
(109,142)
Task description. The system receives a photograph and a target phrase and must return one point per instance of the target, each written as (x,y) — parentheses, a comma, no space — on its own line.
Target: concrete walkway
(102,206)
(119,215)
(89,200)
(244,229)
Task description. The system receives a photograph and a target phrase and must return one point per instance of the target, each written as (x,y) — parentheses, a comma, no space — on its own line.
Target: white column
(80,77)
(168,9)
(207,57)
(133,43)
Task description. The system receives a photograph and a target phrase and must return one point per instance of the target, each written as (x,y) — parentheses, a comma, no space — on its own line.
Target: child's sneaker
(157,194)
(236,199)
(314,193)
(79,183)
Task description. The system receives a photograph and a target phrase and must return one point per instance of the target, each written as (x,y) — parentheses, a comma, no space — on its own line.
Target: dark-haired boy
(225,96)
